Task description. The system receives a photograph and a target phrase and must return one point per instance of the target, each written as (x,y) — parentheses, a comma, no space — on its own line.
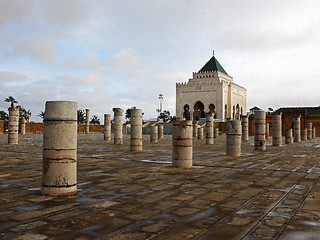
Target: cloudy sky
(123,53)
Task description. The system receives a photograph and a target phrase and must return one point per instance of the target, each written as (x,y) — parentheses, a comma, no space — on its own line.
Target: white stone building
(210,90)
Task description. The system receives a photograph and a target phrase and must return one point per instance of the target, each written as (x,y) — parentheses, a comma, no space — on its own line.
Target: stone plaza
(270,194)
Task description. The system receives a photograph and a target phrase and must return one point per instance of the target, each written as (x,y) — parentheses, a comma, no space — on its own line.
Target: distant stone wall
(2,127)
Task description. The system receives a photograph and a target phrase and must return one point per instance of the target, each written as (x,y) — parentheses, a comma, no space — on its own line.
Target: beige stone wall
(211,88)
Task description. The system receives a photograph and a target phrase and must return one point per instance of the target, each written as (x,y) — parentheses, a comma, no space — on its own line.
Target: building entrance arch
(186,112)
(198,111)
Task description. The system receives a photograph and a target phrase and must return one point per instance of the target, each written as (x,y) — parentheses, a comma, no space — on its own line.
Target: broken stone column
(209,129)
(136,130)
(200,132)
(313,132)
(260,130)
(289,136)
(87,121)
(216,133)
(304,134)
(182,143)
(309,130)
(160,131)
(154,134)
(107,127)
(13,125)
(23,126)
(296,129)
(195,129)
(276,129)
(267,130)
(118,125)
(245,128)
(59,175)
(233,142)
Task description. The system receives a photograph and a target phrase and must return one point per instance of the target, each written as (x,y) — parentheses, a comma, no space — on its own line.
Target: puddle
(34,189)
(155,161)
(202,215)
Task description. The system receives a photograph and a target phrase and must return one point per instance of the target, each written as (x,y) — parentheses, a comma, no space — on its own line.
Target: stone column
(268,130)
(260,130)
(296,129)
(313,132)
(154,134)
(23,126)
(309,130)
(209,128)
(160,131)
(182,143)
(87,121)
(289,136)
(59,176)
(195,129)
(200,132)
(107,127)
(276,129)
(245,128)
(233,142)
(136,130)
(304,133)
(13,125)
(118,112)
(216,133)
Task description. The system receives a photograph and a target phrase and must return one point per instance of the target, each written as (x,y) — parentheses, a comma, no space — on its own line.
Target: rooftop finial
(213,52)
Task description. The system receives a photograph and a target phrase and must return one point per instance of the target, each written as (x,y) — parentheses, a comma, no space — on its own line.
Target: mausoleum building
(210,90)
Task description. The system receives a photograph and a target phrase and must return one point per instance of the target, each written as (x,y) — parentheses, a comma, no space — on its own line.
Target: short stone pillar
(309,130)
(154,134)
(59,175)
(13,125)
(87,121)
(195,129)
(267,130)
(209,129)
(136,130)
(182,143)
(200,132)
(216,133)
(296,129)
(233,142)
(23,126)
(107,127)
(118,112)
(245,128)
(304,134)
(260,130)
(160,131)
(313,132)
(289,136)
(277,129)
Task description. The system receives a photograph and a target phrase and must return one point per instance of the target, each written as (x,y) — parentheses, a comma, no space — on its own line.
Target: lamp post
(160,99)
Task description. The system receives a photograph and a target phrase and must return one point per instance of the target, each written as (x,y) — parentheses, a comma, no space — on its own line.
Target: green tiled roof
(212,65)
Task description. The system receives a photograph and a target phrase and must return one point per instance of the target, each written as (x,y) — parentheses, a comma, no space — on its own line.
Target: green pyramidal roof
(213,65)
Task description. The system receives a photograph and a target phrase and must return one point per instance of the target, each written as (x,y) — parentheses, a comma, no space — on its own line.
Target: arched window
(186,112)
(225,111)
(212,109)
(198,111)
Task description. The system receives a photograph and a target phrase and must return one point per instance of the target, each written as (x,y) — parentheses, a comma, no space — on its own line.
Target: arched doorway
(237,111)
(225,111)
(198,111)
(212,109)
(186,112)
(233,112)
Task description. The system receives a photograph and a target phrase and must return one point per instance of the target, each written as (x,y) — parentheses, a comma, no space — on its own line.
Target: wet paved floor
(122,195)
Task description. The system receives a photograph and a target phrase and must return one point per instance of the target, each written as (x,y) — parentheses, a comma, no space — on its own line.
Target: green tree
(11,100)
(4,116)
(23,113)
(41,115)
(165,116)
(95,120)
(81,116)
